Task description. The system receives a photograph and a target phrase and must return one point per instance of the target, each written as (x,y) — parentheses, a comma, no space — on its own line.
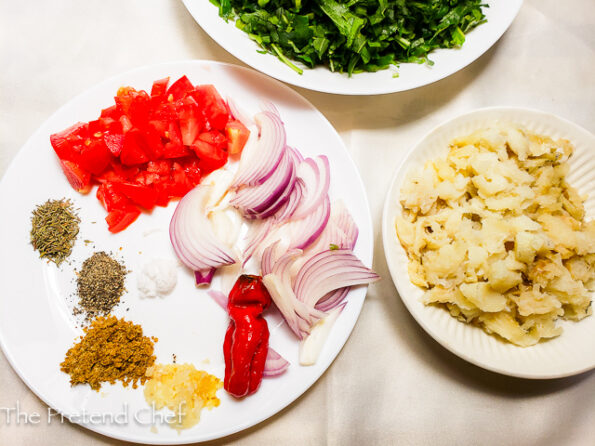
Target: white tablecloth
(391,383)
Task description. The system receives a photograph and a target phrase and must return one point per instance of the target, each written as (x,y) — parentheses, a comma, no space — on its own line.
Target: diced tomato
(118,220)
(190,119)
(174,147)
(68,143)
(79,179)
(114,142)
(111,198)
(125,173)
(126,123)
(95,156)
(161,167)
(134,104)
(213,106)
(144,196)
(149,149)
(111,112)
(210,157)
(133,150)
(180,88)
(214,138)
(145,178)
(193,172)
(237,135)
(159,87)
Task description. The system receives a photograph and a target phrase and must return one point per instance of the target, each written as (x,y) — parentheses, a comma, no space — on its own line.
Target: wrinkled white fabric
(391,384)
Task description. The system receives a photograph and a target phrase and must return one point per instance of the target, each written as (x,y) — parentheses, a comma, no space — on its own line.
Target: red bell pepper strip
(247,339)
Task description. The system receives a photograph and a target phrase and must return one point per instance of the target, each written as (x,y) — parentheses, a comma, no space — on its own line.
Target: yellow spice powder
(111,349)
(182,389)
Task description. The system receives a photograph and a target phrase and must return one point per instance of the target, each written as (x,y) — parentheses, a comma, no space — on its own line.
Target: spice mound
(100,284)
(184,390)
(54,227)
(111,350)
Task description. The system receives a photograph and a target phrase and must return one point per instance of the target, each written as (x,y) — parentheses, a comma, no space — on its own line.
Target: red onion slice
(316,175)
(308,229)
(238,113)
(264,200)
(292,203)
(260,161)
(192,235)
(332,299)
(204,277)
(270,107)
(312,345)
(275,364)
(328,271)
(219,298)
(297,314)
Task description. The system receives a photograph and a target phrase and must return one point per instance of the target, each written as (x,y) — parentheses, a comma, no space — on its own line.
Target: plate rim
(386,241)
(293,78)
(369,251)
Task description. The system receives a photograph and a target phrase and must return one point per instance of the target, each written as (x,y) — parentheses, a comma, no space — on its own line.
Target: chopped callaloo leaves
(353,36)
(333,247)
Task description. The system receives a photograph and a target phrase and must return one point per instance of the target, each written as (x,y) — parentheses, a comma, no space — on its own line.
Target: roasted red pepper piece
(247,339)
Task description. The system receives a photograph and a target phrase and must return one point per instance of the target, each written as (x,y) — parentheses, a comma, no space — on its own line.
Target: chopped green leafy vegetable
(353,36)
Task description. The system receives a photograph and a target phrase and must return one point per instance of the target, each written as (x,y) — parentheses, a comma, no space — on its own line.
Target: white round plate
(500,15)
(36,322)
(571,353)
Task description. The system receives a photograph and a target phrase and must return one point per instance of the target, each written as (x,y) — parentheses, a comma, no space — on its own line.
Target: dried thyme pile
(100,284)
(111,349)
(54,227)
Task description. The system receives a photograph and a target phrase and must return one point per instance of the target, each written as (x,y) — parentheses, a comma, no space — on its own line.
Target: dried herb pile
(54,228)
(111,350)
(352,36)
(100,284)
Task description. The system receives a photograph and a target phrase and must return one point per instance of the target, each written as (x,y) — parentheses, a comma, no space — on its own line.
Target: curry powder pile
(111,350)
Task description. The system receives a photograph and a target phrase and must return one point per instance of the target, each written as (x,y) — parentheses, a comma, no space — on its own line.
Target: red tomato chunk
(146,150)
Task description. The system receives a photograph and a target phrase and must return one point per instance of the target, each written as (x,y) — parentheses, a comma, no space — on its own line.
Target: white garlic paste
(158,277)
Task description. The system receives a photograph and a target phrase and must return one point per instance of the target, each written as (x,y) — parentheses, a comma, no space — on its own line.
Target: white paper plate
(36,322)
(500,15)
(571,353)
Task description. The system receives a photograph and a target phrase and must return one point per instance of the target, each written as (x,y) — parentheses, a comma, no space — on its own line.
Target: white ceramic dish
(36,322)
(500,15)
(571,353)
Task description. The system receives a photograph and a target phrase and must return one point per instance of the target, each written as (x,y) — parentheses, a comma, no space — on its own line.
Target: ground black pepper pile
(100,284)
(54,228)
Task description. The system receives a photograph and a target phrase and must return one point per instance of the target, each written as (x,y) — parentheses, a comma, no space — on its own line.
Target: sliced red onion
(297,314)
(292,203)
(328,271)
(340,231)
(257,233)
(295,154)
(238,113)
(192,235)
(264,200)
(259,163)
(316,175)
(308,229)
(268,259)
(204,278)
(311,346)
(270,107)
(219,298)
(332,299)
(275,364)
